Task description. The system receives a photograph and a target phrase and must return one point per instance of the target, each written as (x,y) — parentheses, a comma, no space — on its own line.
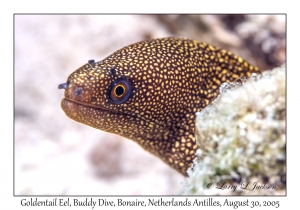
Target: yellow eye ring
(119,90)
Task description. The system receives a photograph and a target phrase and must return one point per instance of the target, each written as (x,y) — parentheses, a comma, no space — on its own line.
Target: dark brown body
(168,80)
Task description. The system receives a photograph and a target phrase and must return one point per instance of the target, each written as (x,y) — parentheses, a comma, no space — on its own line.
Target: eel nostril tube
(62,86)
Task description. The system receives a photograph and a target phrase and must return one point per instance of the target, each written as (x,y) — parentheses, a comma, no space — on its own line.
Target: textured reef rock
(242,139)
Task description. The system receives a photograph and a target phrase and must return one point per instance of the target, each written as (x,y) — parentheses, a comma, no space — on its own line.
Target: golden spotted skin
(171,78)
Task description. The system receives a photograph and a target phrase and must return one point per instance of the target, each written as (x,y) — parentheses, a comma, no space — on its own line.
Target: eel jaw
(87,114)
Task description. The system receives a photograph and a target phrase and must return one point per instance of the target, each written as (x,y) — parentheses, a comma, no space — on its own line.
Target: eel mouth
(85,104)
(73,108)
(70,105)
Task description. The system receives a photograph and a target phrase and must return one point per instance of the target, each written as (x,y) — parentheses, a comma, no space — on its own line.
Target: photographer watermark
(223,185)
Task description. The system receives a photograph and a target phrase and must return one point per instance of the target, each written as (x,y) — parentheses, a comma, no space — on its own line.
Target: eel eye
(120,91)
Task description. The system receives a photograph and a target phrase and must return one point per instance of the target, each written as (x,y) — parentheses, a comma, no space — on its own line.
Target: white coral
(241,136)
